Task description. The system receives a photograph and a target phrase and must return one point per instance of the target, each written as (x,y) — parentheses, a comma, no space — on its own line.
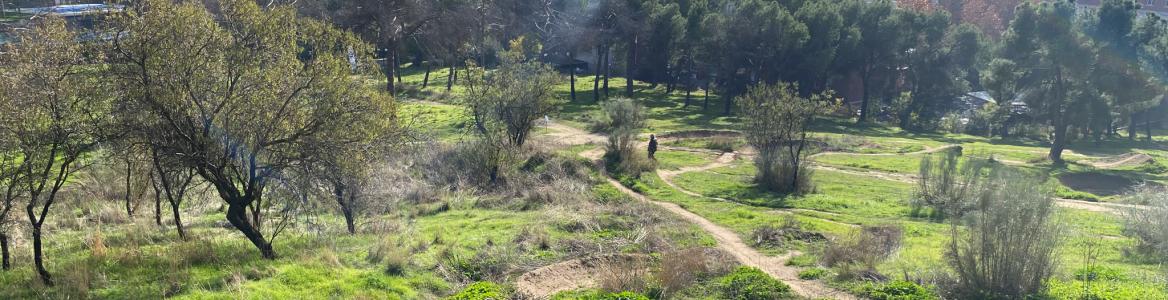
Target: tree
(346,168)
(172,180)
(880,43)
(388,23)
(1050,64)
(53,115)
(245,98)
(507,101)
(775,123)
(754,43)
(1118,73)
(10,184)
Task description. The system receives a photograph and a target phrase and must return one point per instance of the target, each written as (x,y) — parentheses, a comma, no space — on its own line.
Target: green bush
(812,274)
(598,295)
(898,290)
(1095,273)
(747,283)
(482,290)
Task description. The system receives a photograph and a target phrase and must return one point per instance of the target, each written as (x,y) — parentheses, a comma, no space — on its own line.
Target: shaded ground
(1097,183)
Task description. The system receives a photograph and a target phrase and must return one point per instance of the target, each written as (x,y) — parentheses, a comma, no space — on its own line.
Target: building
(1159,7)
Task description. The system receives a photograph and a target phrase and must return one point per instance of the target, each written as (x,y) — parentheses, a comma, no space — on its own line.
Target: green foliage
(747,283)
(898,290)
(813,273)
(482,290)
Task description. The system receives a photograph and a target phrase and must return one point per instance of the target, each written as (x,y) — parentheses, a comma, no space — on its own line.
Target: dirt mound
(1123,160)
(1097,183)
(575,274)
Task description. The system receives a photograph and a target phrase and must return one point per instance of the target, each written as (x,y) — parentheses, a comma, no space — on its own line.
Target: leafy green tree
(756,42)
(1117,72)
(1050,64)
(54,115)
(880,43)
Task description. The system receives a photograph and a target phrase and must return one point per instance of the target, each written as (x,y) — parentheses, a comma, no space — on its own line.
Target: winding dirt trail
(728,241)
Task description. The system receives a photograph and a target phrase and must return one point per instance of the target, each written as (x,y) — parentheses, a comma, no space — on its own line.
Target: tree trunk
(572,75)
(178,224)
(7,264)
(864,99)
(1060,140)
(1148,126)
(607,67)
(388,70)
(596,80)
(688,92)
(396,63)
(426,79)
(450,77)
(727,101)
(346,207)
(632,63)
(157,208)
(237,216)
(1131,126)
(38,255)
(706,96)
(129,186)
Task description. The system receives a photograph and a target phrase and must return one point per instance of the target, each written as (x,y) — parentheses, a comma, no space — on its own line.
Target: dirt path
(727,240)
(926,151)
(730,242)
(577,274)
(1129,159)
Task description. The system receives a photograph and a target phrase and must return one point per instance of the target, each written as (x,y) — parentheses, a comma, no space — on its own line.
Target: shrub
(1006,248)
(681,268)
(866,247)
(625,120)
(945,186)
(1148,223)
(482,290)
(898,290)
(747,283)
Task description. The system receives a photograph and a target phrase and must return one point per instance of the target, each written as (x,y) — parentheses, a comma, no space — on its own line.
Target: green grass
(673,160)
(909,164)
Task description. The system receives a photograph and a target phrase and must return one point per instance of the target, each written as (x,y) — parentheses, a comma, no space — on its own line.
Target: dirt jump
(577,274)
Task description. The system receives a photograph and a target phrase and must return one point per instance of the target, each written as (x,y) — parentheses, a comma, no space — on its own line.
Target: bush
(482,290)
(681,268)
(866,248)
(1006,248)
(898,290)
(747,283)
(625,120)
(1148,223)
(945,186)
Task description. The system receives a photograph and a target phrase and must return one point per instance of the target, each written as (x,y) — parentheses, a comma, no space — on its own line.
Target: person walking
(652,147)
